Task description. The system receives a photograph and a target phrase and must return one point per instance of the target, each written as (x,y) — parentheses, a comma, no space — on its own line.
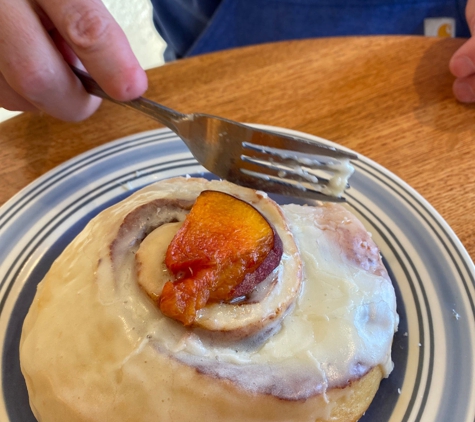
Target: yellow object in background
(439,27)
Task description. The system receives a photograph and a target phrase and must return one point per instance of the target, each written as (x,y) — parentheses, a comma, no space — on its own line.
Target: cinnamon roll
(161,310)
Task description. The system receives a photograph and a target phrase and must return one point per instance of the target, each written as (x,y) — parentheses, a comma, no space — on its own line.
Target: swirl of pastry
(138,251)
(311,342)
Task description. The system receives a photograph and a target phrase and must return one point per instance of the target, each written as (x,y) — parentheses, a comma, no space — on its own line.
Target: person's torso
(196,27)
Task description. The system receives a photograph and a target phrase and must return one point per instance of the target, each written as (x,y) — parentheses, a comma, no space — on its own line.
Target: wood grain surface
(388,98)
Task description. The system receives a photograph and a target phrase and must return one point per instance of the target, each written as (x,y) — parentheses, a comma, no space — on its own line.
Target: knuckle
(85,27)
(33,82)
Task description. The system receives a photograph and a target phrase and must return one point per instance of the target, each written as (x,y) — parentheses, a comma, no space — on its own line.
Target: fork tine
(299,164)
(277,140)
(277,185)
(301,174)
(291,158)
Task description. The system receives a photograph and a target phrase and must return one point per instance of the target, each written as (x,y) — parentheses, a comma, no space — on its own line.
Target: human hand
(462,63)
(38,38)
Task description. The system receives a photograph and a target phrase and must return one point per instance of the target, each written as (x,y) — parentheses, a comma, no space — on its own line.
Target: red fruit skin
(251,280)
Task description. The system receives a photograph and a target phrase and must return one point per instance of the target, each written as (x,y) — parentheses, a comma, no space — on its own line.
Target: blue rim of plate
(433,275)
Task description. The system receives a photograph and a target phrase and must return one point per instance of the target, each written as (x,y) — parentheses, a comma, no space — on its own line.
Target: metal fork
(256,158)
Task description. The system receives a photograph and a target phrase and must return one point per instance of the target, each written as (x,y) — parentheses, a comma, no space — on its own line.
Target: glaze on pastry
(311,342)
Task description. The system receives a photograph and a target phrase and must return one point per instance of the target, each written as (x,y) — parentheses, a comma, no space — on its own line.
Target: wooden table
(388,98)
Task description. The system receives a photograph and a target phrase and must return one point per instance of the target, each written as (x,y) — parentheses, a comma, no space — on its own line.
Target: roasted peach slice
(222,251)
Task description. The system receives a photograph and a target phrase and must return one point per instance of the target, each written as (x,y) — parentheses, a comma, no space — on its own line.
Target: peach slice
(223,250)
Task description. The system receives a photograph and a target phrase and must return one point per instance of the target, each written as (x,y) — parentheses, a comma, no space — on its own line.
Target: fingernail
(463,66)
(464,92)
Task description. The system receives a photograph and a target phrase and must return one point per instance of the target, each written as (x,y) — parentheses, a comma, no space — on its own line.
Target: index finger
(101,45)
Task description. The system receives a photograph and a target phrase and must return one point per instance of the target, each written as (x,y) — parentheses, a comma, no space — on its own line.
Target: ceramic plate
(433,351)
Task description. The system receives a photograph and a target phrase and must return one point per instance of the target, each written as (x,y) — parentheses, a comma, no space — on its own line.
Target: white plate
(434,375)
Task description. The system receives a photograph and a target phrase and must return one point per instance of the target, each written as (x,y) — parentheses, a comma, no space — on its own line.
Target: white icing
(106,330)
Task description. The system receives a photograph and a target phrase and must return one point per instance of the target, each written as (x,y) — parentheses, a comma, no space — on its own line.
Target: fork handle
(162,114)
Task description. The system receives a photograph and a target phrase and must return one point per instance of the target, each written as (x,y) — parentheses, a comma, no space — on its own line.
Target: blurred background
(135,18)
